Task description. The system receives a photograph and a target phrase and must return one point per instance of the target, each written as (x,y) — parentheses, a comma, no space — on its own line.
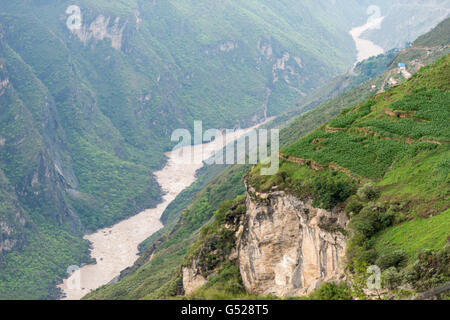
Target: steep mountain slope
(439,37)
(395,148)
(355,77)
(383,165)
(149,277)
(87,111)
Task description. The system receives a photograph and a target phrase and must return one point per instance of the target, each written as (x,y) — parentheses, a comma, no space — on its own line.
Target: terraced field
(387,161)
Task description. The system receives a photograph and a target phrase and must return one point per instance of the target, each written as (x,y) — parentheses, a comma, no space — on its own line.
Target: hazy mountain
(405,20)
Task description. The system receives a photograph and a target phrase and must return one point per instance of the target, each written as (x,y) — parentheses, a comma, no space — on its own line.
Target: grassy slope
(406,156)
(413,236)
(406,159)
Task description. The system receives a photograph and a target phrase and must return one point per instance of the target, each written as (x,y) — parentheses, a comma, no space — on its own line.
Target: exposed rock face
(192,279)
(12,219)
(5,243)
(100,29)
(3,84)
(284,247)
(228,46)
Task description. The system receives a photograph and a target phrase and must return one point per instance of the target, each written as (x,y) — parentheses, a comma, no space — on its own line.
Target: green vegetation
(381,202)
(225,285)
(331,291)
(211,252)
(430,269)
(47,254)
(296,127)
(395,147)
(218,236)
(413,236)
(440,36)
(358,140)
(328,100)
(83,125)
(327,188)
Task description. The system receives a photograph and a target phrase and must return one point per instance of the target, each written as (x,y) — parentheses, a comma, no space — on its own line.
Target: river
(116,248)
(366,48)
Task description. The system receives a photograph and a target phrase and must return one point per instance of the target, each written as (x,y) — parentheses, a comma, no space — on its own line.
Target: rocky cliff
(12,218)
(286,247)
(283,246)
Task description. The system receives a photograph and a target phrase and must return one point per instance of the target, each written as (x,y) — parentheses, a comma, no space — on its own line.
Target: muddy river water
(116,248)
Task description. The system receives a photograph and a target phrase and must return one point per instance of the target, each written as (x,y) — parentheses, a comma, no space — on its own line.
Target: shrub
(332,291)
(396,258)
(353,206)
(392,278)
(431,269)
(359,251)
(371,219)
(386,219)
(329,191)
(366,223)
(368,192)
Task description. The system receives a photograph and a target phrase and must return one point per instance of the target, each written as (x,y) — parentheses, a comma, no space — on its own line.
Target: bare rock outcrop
(192,279)
(12,219)
(286,247)
(101,29)
(282,245)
